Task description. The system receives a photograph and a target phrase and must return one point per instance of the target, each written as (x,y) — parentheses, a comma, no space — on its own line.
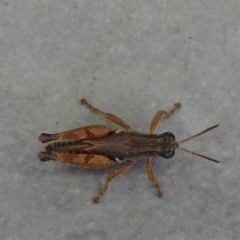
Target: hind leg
(92,131)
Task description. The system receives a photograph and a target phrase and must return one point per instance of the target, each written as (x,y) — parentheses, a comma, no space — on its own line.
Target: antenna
(195,153)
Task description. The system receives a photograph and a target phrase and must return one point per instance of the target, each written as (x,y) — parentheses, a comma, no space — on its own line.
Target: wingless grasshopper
(98,146)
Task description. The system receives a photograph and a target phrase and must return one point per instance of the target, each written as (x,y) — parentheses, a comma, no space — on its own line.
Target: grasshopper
(98,146)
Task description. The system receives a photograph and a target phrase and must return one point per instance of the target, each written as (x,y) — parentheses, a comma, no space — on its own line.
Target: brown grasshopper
(98,146)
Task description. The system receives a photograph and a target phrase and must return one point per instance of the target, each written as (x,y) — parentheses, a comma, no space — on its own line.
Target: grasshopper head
(168,145)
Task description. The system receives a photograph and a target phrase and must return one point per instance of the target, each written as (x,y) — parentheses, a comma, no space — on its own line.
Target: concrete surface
(130,58)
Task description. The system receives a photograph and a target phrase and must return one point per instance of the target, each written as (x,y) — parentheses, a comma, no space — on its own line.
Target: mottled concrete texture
(130,58)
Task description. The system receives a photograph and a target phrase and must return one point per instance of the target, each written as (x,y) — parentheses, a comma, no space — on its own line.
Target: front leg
(151,178)
(154,123)
(159,115)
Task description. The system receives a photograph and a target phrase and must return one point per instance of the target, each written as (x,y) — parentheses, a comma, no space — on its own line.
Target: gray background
(130,58)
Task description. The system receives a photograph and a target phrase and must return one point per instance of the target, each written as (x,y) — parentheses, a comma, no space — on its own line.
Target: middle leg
(114,173)
(108,116)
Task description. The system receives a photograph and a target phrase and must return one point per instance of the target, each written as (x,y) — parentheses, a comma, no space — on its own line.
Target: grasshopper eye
(168,136)
(168,154)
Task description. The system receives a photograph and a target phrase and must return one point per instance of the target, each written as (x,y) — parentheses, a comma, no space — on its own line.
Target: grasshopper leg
(116,172)
(159,115)
(151,178)
(83,160)
(87,132)
(156,119)
(108,116)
